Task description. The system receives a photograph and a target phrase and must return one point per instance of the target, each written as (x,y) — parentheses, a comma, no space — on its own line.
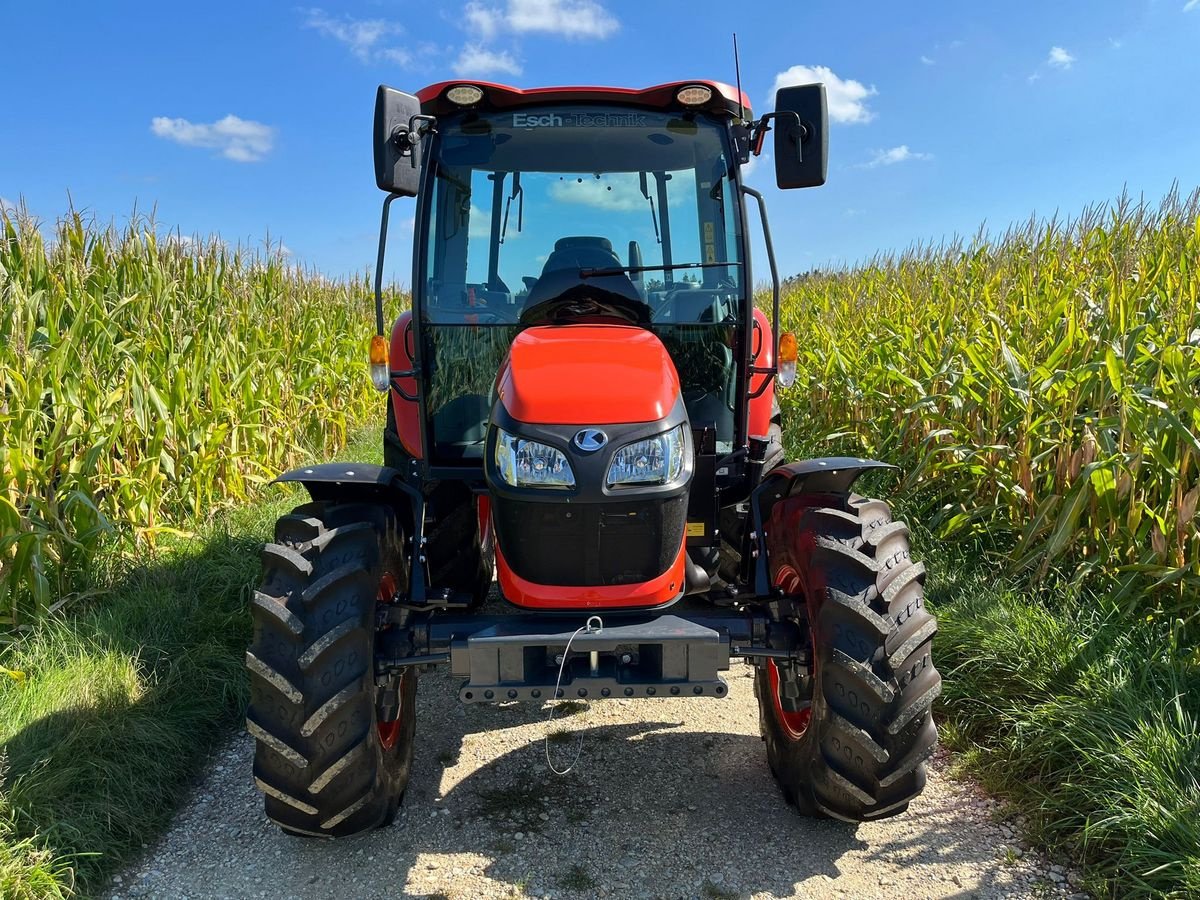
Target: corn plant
(1043,387)
(145,381)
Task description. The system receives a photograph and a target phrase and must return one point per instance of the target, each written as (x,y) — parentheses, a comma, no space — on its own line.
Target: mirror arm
(758,131)
(766,227)
(408,138)
(383,225)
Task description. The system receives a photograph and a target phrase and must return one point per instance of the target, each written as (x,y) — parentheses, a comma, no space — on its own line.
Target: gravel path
(671,798)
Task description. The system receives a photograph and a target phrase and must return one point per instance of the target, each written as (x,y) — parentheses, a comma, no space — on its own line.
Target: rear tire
(326,764)
(859,751)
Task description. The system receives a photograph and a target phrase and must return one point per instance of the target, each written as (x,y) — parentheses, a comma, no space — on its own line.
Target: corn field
(1041,389)
(146,380)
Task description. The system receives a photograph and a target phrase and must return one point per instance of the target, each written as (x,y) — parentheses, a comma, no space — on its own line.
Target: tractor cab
(577,205)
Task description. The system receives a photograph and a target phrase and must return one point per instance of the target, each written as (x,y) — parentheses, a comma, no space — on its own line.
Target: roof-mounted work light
(694,95)
(465,94)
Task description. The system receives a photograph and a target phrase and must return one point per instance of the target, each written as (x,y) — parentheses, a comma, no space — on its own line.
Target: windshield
(528,206)
(580,191)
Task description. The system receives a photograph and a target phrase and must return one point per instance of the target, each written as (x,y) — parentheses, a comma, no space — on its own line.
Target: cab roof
(660,96)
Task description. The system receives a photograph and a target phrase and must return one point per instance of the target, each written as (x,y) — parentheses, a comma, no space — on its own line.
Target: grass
(118,703)
(1041,393)
(28,871)
(1086,721)
(561,736)
(121,703)
(577,878)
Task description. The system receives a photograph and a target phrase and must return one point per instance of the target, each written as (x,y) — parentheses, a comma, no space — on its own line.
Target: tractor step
(668,656)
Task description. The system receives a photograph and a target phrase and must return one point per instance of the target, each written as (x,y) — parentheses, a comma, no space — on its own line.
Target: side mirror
(397,149)
(801,147)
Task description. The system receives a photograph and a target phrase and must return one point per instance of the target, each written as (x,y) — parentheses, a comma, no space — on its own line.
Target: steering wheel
(565,295)
(574,305)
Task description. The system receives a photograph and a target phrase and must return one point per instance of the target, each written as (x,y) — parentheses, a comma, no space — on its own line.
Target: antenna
(737,69)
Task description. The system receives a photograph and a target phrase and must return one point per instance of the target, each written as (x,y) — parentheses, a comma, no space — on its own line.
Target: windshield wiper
(653,215)
(624,270)
(519,193)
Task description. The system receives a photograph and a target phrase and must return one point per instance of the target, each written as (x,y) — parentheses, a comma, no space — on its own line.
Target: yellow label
(695,529)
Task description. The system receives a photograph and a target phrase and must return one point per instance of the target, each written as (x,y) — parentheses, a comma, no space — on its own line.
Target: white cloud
(1190,5)
(483,20)
(846,97)
(238,139)
(570,18)
(365,38)
(1060,58)
(895,155)
(617,192)
(475,61)
(8,206)
(927,61)
(753,164)
(565,18)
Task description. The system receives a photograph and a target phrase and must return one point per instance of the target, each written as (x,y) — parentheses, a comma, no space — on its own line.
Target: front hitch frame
(516,657)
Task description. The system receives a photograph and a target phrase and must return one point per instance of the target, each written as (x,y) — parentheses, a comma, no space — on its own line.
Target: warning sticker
(695,529)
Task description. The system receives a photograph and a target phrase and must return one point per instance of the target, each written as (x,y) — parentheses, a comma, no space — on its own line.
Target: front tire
(326,761)
(851,742)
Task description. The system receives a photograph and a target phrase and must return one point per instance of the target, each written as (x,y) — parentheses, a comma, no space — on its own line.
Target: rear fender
(762,404)
(403,393)
(829,475)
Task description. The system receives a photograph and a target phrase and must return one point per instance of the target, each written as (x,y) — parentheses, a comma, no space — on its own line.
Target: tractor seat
(581,253)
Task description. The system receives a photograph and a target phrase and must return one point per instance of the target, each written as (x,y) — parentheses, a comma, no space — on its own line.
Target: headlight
(655,460)
(525,463)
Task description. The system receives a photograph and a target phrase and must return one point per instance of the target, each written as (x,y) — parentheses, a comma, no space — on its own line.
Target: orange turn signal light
(789,348)
(379,350)
(379,362)
(789,352)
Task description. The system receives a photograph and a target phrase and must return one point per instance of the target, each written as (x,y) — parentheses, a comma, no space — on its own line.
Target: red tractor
(582,400)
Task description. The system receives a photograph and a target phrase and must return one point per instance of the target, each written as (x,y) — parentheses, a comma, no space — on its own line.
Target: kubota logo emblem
(590,439)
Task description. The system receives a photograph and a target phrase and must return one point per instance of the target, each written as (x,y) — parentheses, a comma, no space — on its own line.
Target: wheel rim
(389,732)
(794,723)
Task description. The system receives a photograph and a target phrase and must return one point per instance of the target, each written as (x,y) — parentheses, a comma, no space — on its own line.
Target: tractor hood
(587,375)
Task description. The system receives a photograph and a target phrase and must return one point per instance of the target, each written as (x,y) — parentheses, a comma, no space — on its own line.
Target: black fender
(342,482)
(369,483)
(827,475)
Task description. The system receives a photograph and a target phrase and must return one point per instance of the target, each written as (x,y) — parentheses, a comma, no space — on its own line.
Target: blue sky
(243,119)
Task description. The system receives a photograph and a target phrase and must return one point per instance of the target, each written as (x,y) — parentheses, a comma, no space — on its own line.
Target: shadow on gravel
(650,810)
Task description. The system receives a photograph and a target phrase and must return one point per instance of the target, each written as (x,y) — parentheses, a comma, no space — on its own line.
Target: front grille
(590,544)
